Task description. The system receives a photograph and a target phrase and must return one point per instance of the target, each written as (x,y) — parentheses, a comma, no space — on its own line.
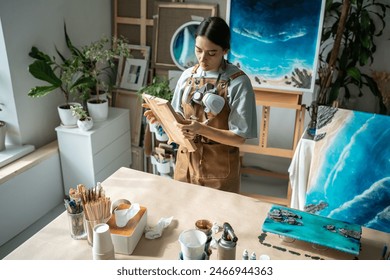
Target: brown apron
(212,164)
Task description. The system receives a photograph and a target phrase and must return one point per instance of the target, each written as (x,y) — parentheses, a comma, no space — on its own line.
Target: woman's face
(209,55)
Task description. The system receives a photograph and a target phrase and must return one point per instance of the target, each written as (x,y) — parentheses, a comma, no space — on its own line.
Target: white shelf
(14,152)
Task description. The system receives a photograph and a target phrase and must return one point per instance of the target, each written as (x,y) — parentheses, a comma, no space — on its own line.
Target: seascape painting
(276,42)
(350,171)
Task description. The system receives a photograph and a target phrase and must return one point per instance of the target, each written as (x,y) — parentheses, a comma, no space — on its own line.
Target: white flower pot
(164,167)
(98,111)
(66,117)
(86,124)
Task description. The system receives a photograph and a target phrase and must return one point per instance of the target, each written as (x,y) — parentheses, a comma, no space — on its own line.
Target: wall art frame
(276,43)
(134,72)
(170,16)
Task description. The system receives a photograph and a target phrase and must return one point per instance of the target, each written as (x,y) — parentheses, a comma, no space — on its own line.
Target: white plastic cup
(192,243)
(264,257)
(103,248)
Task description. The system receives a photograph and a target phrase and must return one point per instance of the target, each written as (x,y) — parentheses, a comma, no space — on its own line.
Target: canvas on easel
(167,117)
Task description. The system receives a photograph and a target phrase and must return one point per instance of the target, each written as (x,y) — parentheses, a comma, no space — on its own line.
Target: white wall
(40,23)
(30,195)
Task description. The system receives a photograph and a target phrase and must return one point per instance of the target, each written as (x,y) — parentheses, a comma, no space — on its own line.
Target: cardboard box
(126,238)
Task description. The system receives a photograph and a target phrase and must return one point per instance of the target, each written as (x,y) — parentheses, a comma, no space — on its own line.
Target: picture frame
(134,72)
(136,52)
(139,51)
(276,44)
(170,17)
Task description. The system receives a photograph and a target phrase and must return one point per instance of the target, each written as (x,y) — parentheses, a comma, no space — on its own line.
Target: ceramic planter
(86,124)
(66,117)
(161,135)
(98,110)
(3,130)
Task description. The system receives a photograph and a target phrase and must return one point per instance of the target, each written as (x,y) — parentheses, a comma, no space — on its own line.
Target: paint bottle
(227,243)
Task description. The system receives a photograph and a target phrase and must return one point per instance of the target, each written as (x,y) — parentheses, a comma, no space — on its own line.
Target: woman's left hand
(189,131)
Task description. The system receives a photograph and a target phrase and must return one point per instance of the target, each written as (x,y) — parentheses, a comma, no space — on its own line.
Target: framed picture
(136,52)
(170,17)
(276,43)
(133,77)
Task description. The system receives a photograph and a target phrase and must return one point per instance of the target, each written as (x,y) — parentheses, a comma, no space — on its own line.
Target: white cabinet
(88,157)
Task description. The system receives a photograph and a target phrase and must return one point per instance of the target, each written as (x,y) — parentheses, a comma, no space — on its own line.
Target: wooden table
(187,203)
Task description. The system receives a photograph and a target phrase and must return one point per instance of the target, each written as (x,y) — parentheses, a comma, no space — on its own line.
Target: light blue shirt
(241,98)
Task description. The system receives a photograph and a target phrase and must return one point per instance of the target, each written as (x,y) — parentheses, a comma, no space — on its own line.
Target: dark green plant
(348,44)
(86,69)
(58,75)
(159,88)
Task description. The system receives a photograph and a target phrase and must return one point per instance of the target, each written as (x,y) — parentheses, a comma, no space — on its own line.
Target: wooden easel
(268,98)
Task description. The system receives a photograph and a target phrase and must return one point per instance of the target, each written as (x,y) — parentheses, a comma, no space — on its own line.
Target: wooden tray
(167,117)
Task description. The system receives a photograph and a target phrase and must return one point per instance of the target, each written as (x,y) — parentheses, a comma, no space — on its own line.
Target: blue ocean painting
(314,229)
(350,173)
(275,42)
(183,46)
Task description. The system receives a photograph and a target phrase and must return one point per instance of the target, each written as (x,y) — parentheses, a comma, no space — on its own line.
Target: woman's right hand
(149,114)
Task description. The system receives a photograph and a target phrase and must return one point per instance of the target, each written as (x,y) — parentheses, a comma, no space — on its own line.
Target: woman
(218,98)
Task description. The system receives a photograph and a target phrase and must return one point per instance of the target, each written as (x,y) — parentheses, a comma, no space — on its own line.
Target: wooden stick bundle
(96,205)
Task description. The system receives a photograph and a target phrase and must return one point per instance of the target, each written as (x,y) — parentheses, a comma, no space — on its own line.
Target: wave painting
(275,42)
(350,172)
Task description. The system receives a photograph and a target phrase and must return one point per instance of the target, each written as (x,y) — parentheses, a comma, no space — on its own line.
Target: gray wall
(40,22)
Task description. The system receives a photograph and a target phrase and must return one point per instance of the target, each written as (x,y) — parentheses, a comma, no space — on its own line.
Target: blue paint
(312,229)
(354,175)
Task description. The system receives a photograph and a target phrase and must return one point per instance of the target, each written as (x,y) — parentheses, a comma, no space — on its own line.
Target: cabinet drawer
(111,152)
(109,132)
(122,161)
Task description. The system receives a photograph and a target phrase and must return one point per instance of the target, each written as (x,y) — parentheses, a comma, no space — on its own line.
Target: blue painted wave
(272,38)
(354,178)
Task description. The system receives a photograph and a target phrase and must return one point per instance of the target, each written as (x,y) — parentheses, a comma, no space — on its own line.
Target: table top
(187,203)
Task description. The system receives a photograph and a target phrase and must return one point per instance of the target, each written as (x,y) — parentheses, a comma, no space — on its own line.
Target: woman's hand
(190,130)
(149,114)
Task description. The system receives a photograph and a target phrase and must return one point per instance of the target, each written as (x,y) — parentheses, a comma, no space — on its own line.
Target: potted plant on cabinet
(60,77)
(96,63)
(86,70)
(84,121)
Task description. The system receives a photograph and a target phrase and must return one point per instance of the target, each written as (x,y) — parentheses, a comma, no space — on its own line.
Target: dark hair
(216,30)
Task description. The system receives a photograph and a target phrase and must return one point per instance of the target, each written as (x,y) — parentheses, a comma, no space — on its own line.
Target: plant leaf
(41,91)
(42,71)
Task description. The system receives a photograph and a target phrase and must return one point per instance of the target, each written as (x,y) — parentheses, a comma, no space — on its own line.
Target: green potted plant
(84,121)
(60,77)
(96,63)
(86,70)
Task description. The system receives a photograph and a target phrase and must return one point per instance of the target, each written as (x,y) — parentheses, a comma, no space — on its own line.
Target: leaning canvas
(350,171)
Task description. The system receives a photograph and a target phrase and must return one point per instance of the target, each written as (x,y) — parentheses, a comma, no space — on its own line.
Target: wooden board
(167,117)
